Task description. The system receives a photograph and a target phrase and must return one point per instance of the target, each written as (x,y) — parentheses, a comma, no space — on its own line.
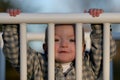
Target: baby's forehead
(65,25)
(65,28)
(65,31)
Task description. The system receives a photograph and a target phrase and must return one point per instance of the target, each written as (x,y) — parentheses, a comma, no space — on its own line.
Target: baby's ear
(45,47)
(84,46)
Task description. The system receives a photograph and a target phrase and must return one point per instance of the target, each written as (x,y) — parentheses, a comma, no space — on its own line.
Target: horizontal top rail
(59,18)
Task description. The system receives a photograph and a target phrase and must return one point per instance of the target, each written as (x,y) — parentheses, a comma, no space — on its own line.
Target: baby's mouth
(64,52)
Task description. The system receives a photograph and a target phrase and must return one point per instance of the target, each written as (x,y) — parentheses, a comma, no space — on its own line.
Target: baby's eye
(57,40)
(72,40)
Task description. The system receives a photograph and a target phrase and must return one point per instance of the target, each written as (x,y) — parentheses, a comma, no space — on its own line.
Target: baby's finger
(92,12)
(97,13)
(18,11)
(11,12)
(101,11)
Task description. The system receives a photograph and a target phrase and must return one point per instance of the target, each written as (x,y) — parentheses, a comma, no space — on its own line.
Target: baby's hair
(46,32)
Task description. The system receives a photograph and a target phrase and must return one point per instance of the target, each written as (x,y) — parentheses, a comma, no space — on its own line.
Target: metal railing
(51,19)
(2,60)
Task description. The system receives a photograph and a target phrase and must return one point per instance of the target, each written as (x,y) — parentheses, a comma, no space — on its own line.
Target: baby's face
(64,43)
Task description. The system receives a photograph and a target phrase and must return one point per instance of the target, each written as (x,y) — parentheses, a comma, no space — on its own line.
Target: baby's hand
(14,12)
(94,12)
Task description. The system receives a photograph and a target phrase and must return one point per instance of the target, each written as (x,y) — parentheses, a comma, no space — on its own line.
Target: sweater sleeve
(11,51)
(96,54)
(11,44)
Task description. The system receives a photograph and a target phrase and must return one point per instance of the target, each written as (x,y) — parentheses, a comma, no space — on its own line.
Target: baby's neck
(66,66)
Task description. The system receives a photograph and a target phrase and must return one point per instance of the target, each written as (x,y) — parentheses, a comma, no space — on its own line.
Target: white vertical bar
(51,59)
(23,52)
(79,51)
(106,52)
(2,60)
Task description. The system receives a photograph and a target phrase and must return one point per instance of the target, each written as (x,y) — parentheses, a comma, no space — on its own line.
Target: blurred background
(60,6)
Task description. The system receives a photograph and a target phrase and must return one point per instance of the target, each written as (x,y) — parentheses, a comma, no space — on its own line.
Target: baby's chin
(63,61)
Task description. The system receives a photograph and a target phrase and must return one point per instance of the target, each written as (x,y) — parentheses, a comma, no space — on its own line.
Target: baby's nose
(64,43)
